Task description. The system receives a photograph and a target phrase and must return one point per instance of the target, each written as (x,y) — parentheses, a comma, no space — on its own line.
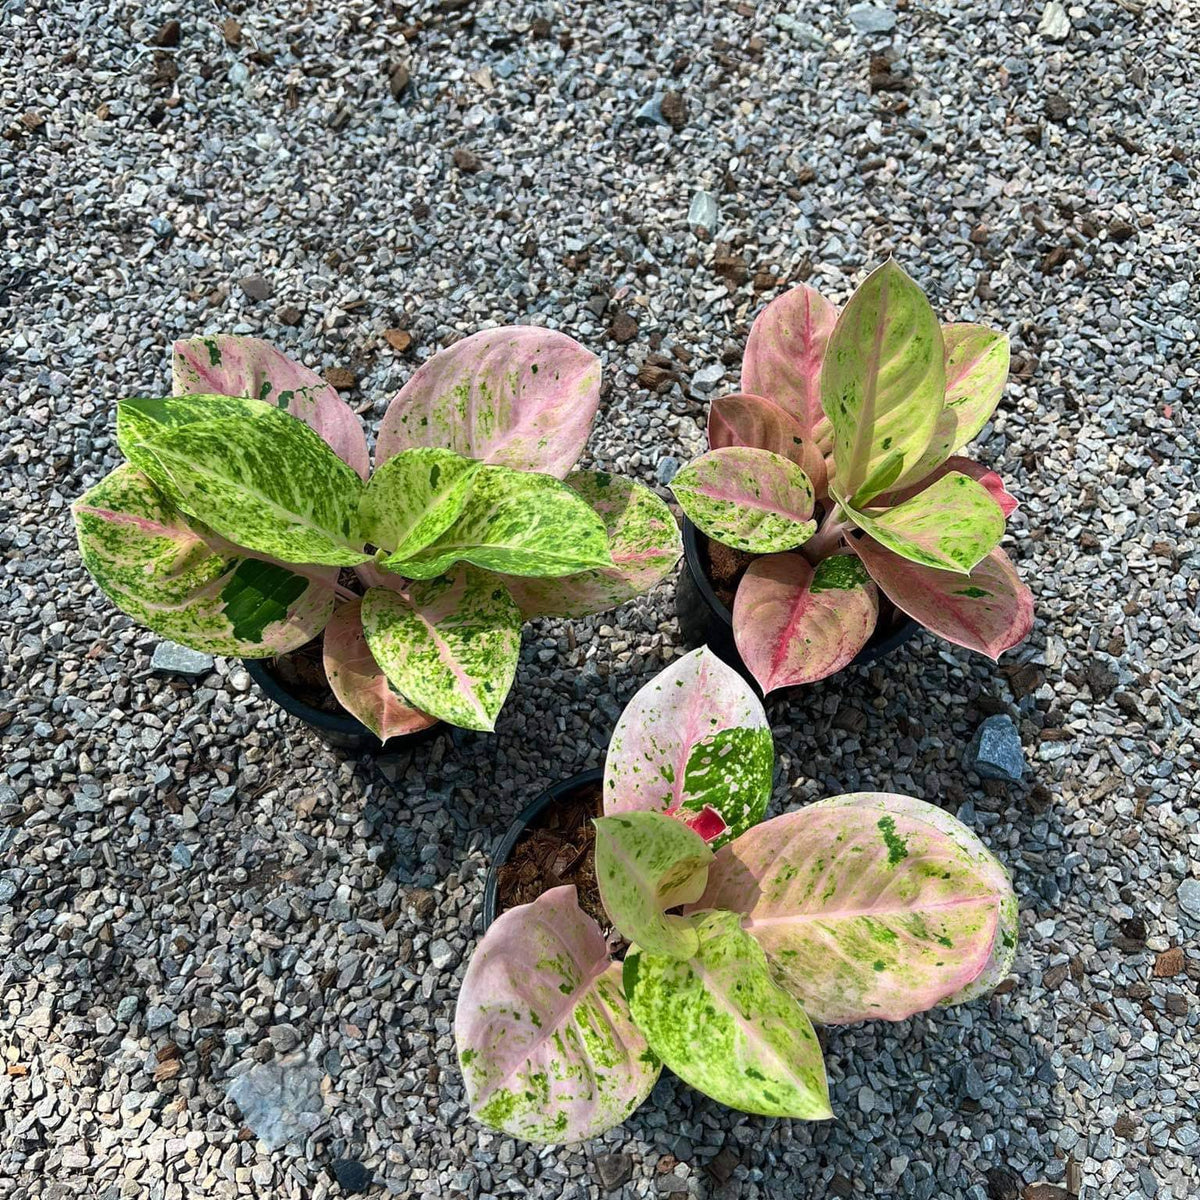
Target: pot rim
(504,846)
(907,629)
(335,722)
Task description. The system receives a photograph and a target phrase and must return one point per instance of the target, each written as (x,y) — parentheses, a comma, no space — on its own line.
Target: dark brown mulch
(556,851)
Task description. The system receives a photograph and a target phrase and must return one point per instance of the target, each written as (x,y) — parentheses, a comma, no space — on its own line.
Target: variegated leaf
(744,419)
(450,645)
(359,683)
(882,383)
(251,472)
(991,482)
(990,610)
(867,907)
(171,575)
(796,624)
(953,524)
(695,735)
(518,396)
(721,1023)
(747,498)
(515,523)
(413,497)
(977,360)
(646,863)
(244,366)
(643,538)
(547,1047)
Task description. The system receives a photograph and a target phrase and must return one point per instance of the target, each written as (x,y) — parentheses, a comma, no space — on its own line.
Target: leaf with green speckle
(883,379)
(839,886)
(222,365)
(643,538)
(251,472)
(695,735)
(518,396)
(177,578)
(449,645)
(720,1022)
(546,1044)
(515,523)
(645,864)
(951,525)
(747,498)
(795,624)
(413,498)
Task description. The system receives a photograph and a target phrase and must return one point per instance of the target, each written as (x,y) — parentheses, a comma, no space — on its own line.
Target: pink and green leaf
(450,645)
(867,907)
(882,383)
(358,681)
(990,610)
(173,575)
(964,466)
(244,366)
(646,863)
(547,1046)
(795,624)
(518,396)
(643,538)
(747,498)
(951,525)
(695,736)
(722,1024)
(744,419)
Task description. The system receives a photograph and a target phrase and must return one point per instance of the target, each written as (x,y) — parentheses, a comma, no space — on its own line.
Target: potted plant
(832,503)
(247,522)
(866,906)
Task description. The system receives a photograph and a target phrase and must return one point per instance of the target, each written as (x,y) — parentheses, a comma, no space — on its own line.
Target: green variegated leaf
(176,578)
(250,471)
(515,523)
(643,537)
(413,497)
(448,645)
(751,499)
(953,524)
(646,863)
(723,1025)
(882,383)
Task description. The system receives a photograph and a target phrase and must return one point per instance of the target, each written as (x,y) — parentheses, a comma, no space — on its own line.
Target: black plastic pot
(704,619)
(504,847)
(340,730)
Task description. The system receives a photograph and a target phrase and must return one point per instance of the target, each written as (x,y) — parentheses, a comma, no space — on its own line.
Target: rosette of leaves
(249,489)
(838,466)
(867,906)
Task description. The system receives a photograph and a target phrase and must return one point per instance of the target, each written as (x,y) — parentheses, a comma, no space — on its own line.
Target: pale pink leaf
(547,1047)
(518,396)
(359,684)
(794,624)
(223,365)
(872,907)
(747,420)
(990,610)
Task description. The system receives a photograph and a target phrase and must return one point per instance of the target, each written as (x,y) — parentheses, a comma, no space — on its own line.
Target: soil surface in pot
(556,850)
(302,674)
(724,566)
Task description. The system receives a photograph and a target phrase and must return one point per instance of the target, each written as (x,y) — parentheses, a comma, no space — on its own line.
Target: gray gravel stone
(1188,896)
(170,658)
(870,18)
(704,212)
(995,751)
(158,1016)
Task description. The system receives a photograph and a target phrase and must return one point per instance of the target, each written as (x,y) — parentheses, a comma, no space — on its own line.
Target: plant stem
(825,541)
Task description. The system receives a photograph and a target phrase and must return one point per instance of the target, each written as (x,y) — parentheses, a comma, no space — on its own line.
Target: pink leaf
(964,466)
(867,906)
(358,683)
(518,396)
(793,624)
(747,420)
(708,823)
(547,1047)
(784,353)
(990,610)
(243,366)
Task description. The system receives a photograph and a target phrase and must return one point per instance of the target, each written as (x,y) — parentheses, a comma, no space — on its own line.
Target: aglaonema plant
(837,464)
(868,906)
(249,489)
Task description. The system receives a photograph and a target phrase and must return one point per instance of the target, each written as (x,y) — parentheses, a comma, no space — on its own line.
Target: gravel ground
(197,895)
